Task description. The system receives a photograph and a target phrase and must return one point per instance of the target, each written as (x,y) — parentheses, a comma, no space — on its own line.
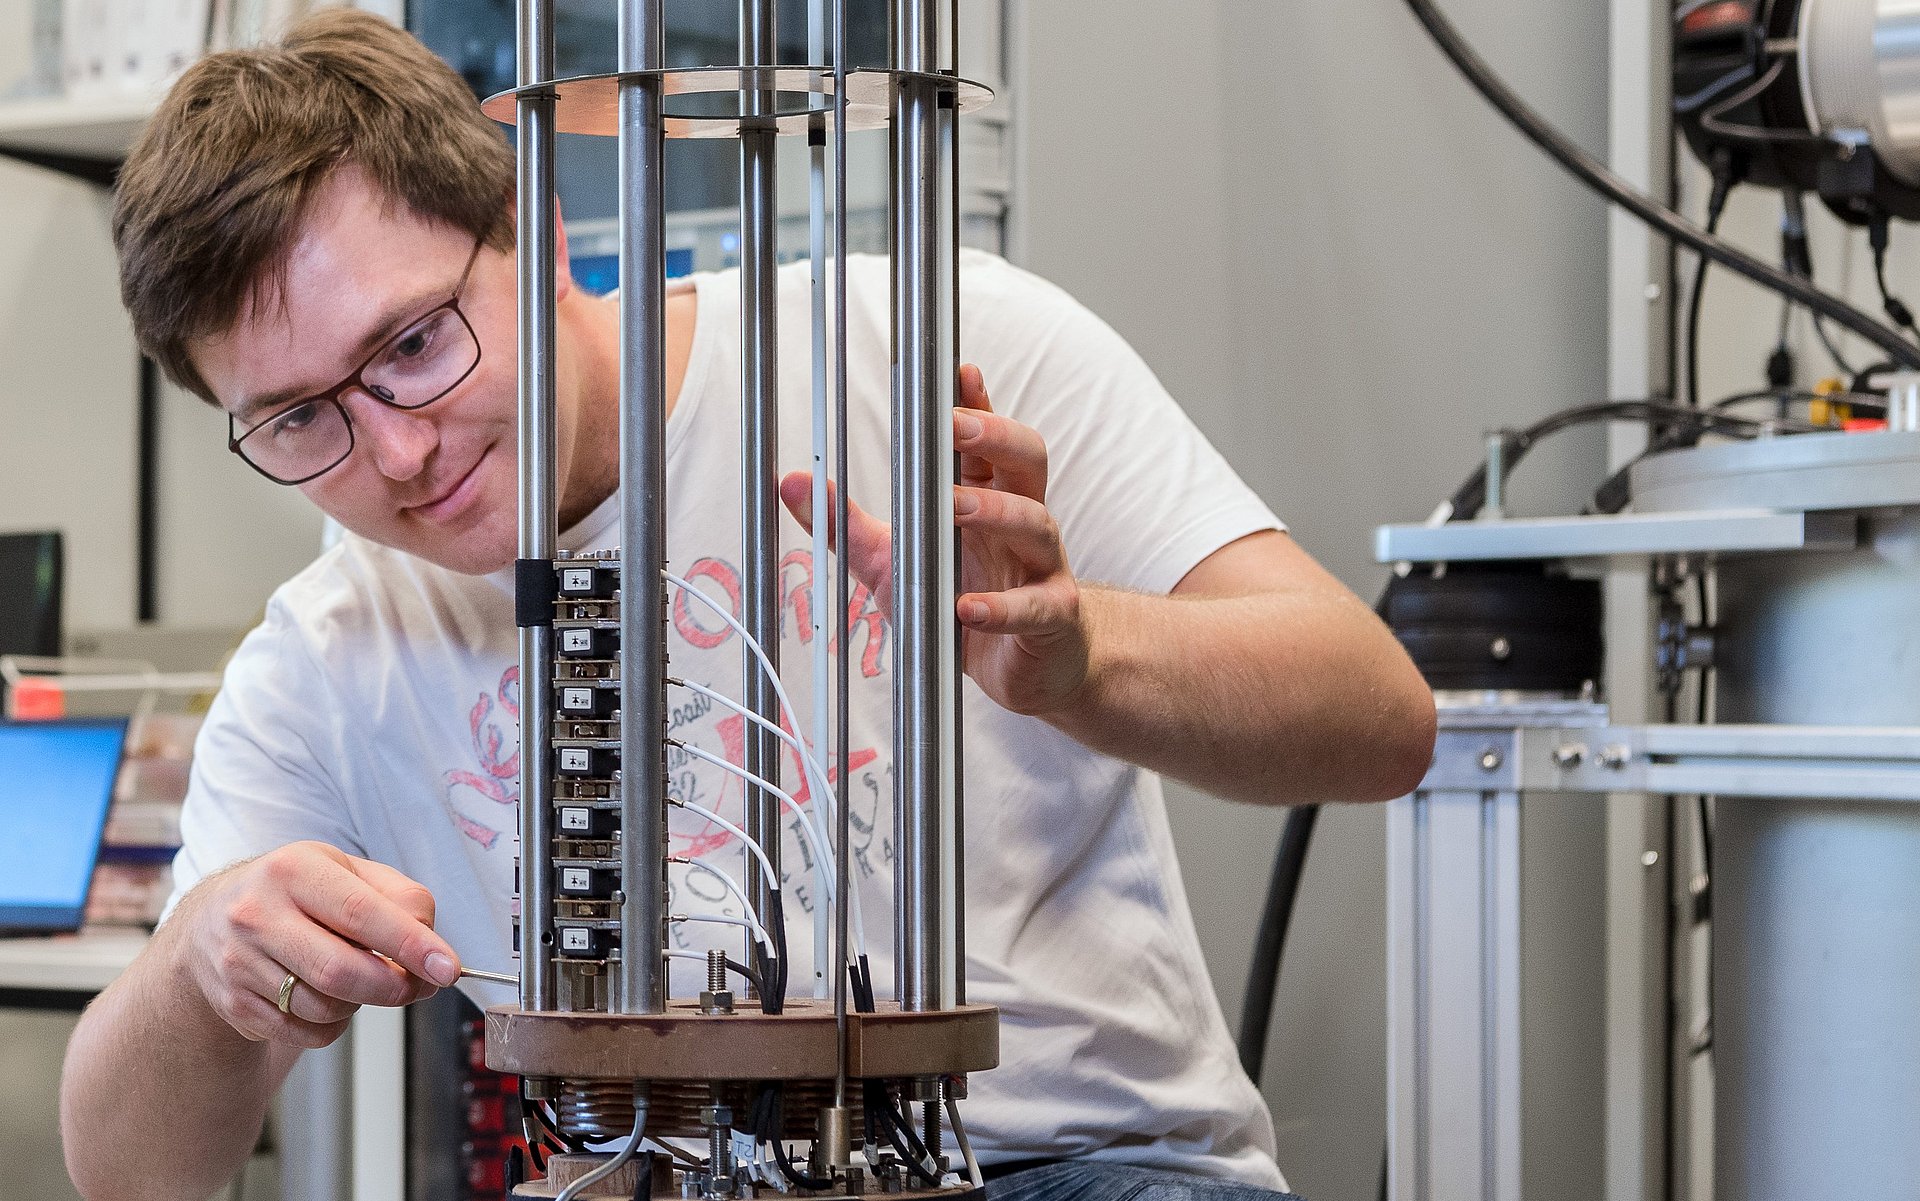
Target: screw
(1569,756)
(1490,759)
(1652,293)
(1615,757)
(1501,649)
(717,998)
(1649,858)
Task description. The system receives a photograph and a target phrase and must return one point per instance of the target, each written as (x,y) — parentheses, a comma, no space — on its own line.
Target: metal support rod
(842,582)
(643,508)
(923,599)
(821,588)
(1494,508)
(759,434)
(538,501)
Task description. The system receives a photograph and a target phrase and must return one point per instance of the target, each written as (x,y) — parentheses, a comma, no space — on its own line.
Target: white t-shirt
(376,709)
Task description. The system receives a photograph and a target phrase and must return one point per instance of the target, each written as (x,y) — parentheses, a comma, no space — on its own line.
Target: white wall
(1346,268)
(68,380)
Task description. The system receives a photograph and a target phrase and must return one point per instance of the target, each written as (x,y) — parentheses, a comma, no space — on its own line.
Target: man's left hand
(1024,635)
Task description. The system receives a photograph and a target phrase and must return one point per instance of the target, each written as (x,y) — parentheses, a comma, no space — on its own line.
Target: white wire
(822,876)
(779,690)
(821,855)
(759,931)
(766,866)
(966,1144)
(722,918)
(821,785)
(581,1185)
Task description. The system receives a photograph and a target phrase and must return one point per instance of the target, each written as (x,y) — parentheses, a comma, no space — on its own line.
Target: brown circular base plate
(686,1044)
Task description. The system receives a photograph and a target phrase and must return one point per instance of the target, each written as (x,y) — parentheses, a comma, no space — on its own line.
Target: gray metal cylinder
(1816,902)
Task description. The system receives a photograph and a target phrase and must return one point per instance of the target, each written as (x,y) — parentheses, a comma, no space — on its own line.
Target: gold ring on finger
(286,993)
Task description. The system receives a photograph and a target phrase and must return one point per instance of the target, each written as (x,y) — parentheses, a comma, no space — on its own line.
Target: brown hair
(214,193)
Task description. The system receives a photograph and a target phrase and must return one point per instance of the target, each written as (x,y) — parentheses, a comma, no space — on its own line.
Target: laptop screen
(56,784)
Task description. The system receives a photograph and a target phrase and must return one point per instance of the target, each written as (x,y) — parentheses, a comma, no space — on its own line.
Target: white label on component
(575,758)
(576,819)
(577,579)
(576,879)
(576,938)
(576,640)
(580,700)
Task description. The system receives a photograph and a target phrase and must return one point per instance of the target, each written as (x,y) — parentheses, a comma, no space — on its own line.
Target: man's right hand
(352,932)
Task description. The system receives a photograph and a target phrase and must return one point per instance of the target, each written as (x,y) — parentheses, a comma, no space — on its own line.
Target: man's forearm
(160,1097)
(1282,697)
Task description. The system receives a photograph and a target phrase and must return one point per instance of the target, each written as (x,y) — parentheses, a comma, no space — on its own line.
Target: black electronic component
(587,642)
(586,580)
(582,942)
(591,761)
(588,883)
(586,701)
(580,822)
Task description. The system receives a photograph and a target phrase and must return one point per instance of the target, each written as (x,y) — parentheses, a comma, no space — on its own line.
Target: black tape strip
(535,587)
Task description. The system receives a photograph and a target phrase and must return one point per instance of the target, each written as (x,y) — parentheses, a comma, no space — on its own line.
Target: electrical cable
(812,833)
(1599,177)
(766,669)
(1716,206)
(766,865)
(732,886)
(965,1144)
(1276,917)
(741,970)
(1897,311)
(1711,122)
(573,1191)
(823,787)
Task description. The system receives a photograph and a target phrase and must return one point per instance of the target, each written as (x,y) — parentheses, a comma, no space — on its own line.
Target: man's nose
(400,440)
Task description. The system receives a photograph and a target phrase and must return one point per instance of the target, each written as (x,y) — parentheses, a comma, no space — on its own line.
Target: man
(316,239)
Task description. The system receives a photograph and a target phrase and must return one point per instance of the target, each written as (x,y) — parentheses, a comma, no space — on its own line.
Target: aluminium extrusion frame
(1455,1109)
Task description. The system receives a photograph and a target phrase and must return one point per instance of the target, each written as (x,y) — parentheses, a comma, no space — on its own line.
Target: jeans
(1090,1181)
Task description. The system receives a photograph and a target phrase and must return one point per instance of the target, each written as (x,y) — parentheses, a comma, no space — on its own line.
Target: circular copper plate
(685,1044)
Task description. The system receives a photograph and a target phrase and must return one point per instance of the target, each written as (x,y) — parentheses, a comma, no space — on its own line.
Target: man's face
(437,482)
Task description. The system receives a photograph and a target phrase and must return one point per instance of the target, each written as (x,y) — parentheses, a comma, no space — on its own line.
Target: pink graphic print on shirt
(498,777)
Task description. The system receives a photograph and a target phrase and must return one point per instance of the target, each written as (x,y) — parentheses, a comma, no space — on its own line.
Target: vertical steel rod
(923,598)
(842,589)
(821,590)
(759,430)
(951,158)
(643,509)
(538,501)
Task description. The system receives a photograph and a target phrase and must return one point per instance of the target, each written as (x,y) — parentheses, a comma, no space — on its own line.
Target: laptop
(56,785)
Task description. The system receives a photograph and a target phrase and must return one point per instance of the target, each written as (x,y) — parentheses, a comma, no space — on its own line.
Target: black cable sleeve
(748,974)
(535,588)
(1716,205)
(1263,978)
(1597,176)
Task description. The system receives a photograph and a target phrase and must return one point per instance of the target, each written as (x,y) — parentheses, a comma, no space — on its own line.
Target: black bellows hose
(1289,863)
(1597,176)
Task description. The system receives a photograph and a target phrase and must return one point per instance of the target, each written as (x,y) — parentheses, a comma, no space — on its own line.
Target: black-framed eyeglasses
(411,370)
